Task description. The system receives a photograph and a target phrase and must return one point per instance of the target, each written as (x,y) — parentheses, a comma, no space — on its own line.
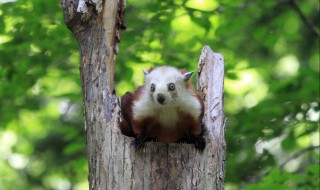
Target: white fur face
(164,85)
(165,96)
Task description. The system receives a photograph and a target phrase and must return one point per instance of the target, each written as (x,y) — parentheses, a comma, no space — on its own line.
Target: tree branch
(305,20)
(294,156)
(297,154)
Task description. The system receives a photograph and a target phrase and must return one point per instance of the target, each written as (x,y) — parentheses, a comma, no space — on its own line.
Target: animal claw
(200,143)
(152,139)
(138,143)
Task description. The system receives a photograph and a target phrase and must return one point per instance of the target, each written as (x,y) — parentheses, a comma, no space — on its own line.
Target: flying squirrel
(166,109)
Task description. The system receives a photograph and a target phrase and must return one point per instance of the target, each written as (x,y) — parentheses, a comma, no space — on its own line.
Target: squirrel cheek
(152,96)
(174,94)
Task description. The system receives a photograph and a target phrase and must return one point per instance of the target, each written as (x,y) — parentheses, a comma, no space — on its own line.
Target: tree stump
(113,161)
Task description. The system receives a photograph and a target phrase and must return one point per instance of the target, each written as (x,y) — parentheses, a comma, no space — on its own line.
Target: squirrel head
(166,84)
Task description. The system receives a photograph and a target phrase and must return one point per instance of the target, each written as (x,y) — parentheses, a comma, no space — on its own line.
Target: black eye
(171,86)
(152,88)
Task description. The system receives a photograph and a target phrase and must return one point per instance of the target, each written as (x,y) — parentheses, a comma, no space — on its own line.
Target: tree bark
(113,162)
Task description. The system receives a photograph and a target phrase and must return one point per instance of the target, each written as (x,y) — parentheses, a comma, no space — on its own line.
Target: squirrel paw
(200,143)
(138,143)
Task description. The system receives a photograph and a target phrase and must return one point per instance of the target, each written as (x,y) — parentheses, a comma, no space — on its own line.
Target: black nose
(160,98)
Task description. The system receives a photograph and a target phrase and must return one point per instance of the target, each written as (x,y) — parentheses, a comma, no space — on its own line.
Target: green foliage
(271,86)
(279,180)
(41,125)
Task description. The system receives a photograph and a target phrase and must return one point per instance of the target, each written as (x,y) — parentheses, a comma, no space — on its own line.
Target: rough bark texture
(113,162)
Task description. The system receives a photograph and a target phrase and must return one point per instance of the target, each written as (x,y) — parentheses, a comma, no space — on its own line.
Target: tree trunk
(113,162)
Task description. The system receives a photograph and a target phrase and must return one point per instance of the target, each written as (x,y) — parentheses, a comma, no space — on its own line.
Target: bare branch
(297,154)
(294,156)
(304,19)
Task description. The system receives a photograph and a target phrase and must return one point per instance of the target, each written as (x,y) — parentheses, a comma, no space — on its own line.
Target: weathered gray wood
(210,83)
(113,162)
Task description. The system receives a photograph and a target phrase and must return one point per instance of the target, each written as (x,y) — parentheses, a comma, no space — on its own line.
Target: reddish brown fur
(150,70)
(126,111)
(188,127)
(183,71)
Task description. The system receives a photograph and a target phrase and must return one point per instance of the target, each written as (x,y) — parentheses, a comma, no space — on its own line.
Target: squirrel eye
(171,86)
(153,87)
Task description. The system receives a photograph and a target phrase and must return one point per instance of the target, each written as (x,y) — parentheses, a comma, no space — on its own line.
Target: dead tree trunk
(113,162)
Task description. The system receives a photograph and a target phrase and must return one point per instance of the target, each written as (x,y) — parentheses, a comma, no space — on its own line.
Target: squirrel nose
(161,98)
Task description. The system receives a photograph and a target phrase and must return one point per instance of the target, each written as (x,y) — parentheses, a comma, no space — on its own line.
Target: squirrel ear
(187,75)
(145,72)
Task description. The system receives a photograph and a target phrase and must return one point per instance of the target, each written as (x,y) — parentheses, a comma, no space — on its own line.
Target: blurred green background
(271,86)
